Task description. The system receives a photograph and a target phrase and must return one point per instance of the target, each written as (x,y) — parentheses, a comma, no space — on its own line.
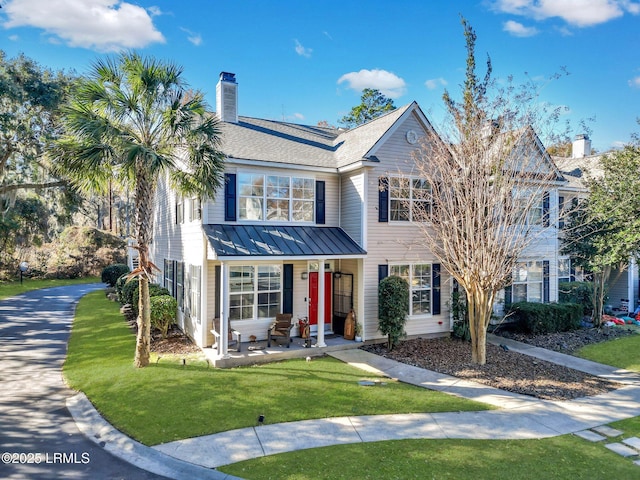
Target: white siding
(352,205)
(389,242)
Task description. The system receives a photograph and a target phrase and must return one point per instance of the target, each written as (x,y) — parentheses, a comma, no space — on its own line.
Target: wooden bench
(232,333)
(281,328)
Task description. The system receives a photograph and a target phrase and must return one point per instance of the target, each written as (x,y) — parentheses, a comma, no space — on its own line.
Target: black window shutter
(573,272)
(545,281)
(230,197)
(287,288)
(545,209)
(561,212)
(320,204)
(383,272)
(218,277)
(435,272)
(383,199)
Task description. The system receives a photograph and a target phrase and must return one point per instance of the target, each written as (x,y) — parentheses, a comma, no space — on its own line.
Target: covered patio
(305,263)
(258,352)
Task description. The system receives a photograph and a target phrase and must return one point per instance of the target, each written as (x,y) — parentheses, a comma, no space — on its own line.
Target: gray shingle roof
(289,143)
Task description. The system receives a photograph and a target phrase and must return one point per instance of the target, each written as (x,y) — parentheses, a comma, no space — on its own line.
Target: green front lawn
(560,458)
(620,352)
(168,401)
(10,289)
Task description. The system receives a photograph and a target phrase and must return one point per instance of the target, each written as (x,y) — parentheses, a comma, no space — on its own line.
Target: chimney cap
(582,136)
(228,77)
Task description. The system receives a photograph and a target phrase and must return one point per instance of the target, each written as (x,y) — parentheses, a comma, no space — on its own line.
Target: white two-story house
(309,221)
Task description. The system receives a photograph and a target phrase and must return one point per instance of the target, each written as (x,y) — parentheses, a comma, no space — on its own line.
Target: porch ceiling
(281,240)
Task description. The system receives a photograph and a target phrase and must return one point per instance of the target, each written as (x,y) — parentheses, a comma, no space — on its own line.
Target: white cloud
(103,25)
(388,83)
(193,37)
(154,11)
(519,30)
(578,13)
(434,83)
(298,116)
(634,82)
(300,50)
(14,38)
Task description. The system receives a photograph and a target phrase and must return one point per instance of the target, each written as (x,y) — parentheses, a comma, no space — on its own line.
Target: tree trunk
(480,306)
(143,339)
(145,194)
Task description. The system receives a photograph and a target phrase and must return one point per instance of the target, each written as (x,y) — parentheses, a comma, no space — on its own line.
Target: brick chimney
(581,146)
(227,98)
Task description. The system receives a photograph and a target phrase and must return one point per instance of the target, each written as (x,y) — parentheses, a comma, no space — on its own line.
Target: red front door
(313,297)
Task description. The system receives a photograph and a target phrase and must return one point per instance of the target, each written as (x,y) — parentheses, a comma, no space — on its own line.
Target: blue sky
(308,61)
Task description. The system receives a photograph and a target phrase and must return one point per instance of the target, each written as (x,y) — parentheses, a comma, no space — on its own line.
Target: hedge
(111,273)
(541,318)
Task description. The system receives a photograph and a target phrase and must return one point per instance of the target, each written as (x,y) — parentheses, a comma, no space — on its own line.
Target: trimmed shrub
(127,292)
(393,308)
(164,309)
(155,290)
(577,292)
(541,318)
(112,273)
(120,283)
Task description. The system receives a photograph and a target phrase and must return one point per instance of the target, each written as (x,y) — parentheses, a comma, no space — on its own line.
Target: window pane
(400,271)
(278,210)
(520,293)
(535,292)
(421,276)
(535,272)
(421,302)
(302,211)
(303,188)
(250,208)
(277,187)
(564,267)
(521,273)
(240,279)
(399,210)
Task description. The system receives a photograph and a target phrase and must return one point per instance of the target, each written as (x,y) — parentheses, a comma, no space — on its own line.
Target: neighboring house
(624,285)
(309,221)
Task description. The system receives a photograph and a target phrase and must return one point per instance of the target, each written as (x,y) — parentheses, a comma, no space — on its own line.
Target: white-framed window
(196,209)
(529,202)
(409,199)
(194,291)
(419,278)
(564,269)
(179,209)
(255,291)
(527,282)
(179,271)
(276,198)
(169,276)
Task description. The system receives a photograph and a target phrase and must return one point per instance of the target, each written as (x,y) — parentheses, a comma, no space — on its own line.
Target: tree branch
(30,186)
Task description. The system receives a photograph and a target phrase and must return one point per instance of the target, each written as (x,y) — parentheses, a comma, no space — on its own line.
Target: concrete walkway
(519,417)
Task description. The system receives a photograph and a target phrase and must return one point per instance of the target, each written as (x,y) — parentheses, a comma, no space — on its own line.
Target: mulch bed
(508,370)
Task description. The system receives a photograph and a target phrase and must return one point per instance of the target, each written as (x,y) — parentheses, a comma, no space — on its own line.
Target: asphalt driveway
(38,437)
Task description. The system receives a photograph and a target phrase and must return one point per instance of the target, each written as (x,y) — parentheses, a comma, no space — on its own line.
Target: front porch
(257,352)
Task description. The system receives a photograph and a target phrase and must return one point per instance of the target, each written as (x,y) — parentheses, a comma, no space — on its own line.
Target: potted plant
(358,332)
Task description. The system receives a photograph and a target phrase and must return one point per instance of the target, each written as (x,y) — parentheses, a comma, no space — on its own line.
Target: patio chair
(232,333)
(281,328)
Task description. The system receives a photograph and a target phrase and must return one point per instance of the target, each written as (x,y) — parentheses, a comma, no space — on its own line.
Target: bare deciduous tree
(488,179)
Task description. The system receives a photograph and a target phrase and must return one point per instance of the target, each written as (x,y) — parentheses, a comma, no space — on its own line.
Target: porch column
(224,311)
(320,342)
(631,285)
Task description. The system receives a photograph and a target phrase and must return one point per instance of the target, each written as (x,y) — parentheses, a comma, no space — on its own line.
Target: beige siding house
(308,223)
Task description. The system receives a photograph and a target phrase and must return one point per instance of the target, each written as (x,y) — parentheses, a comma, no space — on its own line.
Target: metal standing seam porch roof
(280,240)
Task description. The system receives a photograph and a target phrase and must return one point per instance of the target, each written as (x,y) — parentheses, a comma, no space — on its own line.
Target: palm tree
(133,119)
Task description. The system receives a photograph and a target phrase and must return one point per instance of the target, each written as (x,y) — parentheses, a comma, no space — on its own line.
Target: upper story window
(532,203)
(409,199)
(276,198)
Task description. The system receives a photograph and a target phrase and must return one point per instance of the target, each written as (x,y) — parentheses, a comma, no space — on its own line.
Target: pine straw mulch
(508,370)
